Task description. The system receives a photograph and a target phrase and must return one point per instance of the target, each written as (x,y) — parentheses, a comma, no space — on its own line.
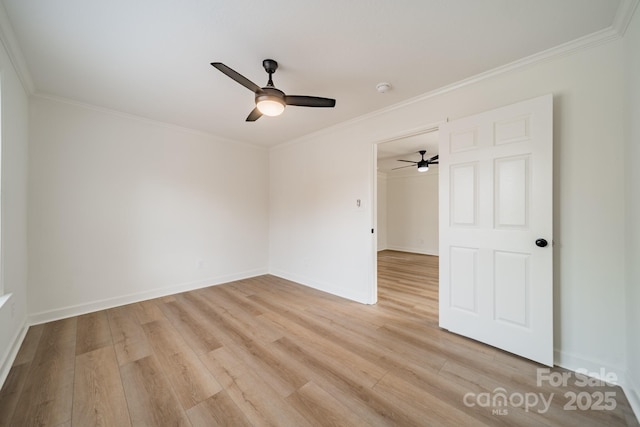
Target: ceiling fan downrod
(270,66)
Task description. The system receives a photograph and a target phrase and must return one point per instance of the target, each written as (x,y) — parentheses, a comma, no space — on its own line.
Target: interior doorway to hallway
(407,204)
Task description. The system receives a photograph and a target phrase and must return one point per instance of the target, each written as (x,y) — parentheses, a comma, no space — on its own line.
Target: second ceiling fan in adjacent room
(423,164)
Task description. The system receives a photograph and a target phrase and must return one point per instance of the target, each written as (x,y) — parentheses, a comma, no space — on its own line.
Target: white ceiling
(151,57)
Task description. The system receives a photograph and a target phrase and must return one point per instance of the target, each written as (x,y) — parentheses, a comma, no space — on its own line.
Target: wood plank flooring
(266,351)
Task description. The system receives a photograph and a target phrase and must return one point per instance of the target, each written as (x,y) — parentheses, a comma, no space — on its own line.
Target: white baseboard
(413,250)
(322,286)
(632,391)
(77,310)
(574,362)
(12,352)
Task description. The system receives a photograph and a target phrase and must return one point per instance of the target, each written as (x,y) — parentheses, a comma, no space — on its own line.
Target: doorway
(495,197)
(407,201)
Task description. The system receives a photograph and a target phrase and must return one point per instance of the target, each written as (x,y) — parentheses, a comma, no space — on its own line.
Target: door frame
(432,127)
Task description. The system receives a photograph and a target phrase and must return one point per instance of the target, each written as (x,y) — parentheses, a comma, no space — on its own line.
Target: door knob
(541,243)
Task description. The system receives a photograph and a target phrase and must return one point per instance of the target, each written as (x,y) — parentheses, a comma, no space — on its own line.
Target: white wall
(632,53)
(319,239)
(382,211)
(412,212)
(13,267)
(123,209)
(318,235)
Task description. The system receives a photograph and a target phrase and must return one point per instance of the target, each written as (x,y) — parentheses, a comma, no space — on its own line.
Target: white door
(496,275)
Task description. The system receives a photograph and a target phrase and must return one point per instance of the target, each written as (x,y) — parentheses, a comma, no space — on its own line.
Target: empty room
(321,213)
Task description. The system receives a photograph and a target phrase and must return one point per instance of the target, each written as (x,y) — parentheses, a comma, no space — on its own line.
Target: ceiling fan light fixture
(423,166)
(270,105)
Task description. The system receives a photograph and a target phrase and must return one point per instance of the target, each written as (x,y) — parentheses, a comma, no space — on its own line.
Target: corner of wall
(8,40)
(631,39)
(323,286)
(13,341)
(92,306)
(632,392)
(7,361)
(16,87)
(578,362)
(625,380)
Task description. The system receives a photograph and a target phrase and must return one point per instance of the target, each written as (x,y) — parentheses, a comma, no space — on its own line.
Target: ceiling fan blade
(402,167)
(237,77)
(309,101)
(409,161)
(254,115)
(433,158)
(434,163)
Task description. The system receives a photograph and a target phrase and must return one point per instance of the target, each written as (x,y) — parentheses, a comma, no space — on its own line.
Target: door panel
(512,283)
(464,272)
(512,192)
(496,285)
(463,194)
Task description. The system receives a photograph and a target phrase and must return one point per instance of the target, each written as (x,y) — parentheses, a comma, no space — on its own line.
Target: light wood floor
(265,351)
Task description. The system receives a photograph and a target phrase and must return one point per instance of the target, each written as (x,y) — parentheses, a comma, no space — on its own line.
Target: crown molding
(623,16)
(614,32)
(617,30)
(144,120)
(10,44)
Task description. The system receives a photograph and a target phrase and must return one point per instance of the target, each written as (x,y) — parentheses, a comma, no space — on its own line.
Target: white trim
(142,119)
(632,391)
(421,130)
(411,250)
(623,16)
(375,230)
(2,145)
(80,309)
(10,44)
(586,42)
(575,362)
(7,361)
(621,21)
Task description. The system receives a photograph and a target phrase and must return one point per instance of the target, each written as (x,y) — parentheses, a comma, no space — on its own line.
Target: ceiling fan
(269,100)
(423,165)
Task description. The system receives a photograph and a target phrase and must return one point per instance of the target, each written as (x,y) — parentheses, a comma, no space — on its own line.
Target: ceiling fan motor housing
(269,93)
(270,65)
